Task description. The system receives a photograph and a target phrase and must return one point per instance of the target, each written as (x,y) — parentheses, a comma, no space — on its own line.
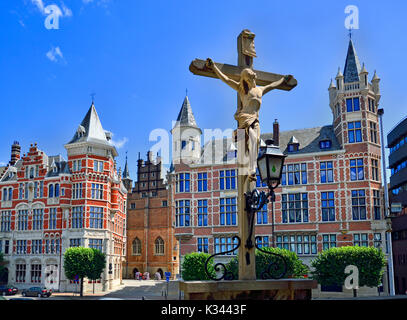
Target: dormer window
(293,144)
(325,144)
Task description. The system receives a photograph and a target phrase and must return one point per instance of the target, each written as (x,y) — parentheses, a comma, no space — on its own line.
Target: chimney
(276,133)
(150,157)
(15,153)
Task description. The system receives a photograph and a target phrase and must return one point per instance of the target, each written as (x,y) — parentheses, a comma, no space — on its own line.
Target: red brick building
(330,194)
(152,246)
(49,204)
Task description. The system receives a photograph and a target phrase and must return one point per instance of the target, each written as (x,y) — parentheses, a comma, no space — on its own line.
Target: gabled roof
(308,139)
(186,116)
(352,65)
(90,129)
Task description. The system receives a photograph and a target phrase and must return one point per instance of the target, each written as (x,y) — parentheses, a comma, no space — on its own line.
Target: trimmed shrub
(193,266)
(330,265)
(295,267)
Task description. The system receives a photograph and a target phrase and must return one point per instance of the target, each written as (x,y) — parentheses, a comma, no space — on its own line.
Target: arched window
(159,246)
(4,196)
(57,190)
(136,246)
(51,191)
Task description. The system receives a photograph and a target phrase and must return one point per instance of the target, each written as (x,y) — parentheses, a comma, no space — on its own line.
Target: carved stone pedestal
(284,289)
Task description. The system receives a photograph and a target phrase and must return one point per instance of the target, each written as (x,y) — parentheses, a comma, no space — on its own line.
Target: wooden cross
(246,53)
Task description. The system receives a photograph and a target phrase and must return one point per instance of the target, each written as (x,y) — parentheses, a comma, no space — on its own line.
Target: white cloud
(119,143)
(67,12)
(55,54)
(45,10)
(40,5)
(3,164)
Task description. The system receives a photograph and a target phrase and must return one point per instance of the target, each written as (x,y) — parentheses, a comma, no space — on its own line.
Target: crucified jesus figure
(247,115)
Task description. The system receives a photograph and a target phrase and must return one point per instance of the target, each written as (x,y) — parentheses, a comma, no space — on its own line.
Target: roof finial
(186,91)
(93,97)
(350,33)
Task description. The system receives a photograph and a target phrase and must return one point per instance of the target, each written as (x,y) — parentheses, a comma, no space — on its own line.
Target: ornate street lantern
(270,164)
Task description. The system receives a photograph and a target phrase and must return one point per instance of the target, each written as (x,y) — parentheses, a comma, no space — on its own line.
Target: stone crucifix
(250,85)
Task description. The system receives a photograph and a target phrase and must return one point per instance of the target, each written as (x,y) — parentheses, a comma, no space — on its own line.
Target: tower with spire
(186,136)
(127,181)
(354,102)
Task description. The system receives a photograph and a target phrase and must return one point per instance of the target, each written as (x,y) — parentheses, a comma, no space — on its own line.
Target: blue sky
(135,55)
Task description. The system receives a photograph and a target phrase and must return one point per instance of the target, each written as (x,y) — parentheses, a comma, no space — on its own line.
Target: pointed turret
(186,116)
(363,77)
(352,65)
(126,173)
(91,132)
(127,181)
(186,136)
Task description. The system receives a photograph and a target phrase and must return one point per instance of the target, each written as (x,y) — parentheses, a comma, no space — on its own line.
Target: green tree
(295,267)
(193,266)
(83,262)
(329,266)
(97,266)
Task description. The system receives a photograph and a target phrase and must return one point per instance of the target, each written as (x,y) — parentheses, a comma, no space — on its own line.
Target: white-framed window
(328,241)
(377,240)
(22,220)
(183,182)
(37,219)
(53,190)
(299,243)
(96,218)
(36,246)
(225,243)
(97,191)
(203,245)
(76,165)
(21,247)
(77,191)
(228,211)
(97,166)
(35,273)
(77,217)
(52,218)
(360,239)
(20,273)
(294,207)
(96,244)
(74,242)
(263,241)
(5,222)
(183,213)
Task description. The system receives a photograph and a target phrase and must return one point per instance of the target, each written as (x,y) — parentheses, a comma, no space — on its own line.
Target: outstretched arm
(230,82)
(275,84)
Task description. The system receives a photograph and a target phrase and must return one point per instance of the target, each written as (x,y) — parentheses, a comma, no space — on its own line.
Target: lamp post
(380,112)
(270,164)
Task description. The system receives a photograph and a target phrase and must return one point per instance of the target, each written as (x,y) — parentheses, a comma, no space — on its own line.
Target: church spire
(126,174)
(186,117)
(352,65)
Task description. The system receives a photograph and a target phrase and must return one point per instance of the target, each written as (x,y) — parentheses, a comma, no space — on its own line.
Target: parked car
(8,290)
(36,292)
